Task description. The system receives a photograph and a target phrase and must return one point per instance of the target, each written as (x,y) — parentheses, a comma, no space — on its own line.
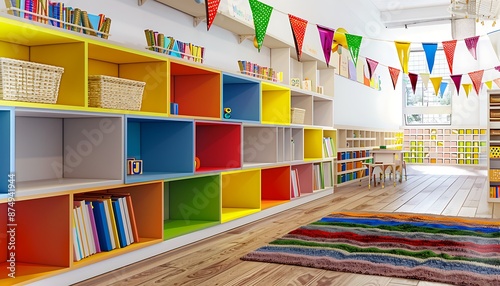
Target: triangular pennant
(261,14)
(449,51)
(477,78)
(489,84)
(211,7)
(436,83)
(372,66)
(413,79)
(442,88)
(430,54)
(495,40)
(457,79)
(425,79)
(471,44)
(467,87)
(354,42)
(394,72)
(299,31)
(326,36)
(497,82)
(497,68)
(403,49)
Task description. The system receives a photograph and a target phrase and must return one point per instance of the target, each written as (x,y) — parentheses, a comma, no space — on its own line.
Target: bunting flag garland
(261,14)
(425,79)
(476,78)
(413,80)
(372,66)
(430,54)
(494,40)
(449,51)
(211,7)
(457,79)
(436,83)
(442,88)
(489,84)
(403,49)
(326,36)
(353,43)
(467,87)
(471,44)
(497,82)
(298,26)
(394,72)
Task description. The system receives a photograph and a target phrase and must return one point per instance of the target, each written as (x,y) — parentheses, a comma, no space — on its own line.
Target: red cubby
(275,186)
(305,172)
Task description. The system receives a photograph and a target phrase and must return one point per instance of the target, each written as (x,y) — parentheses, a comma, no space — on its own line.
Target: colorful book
(119,222)
(90,207)
(102,225)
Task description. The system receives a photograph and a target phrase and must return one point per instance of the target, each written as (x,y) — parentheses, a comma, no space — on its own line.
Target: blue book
(119,222)
(101,224)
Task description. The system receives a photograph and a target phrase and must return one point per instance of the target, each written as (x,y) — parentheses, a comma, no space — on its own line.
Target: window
(424,107)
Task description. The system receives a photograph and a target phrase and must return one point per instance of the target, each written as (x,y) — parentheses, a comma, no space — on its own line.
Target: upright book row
(493,139)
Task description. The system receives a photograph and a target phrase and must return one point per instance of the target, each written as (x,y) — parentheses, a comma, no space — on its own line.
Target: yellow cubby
(276,104)
(241,195)
(313,144)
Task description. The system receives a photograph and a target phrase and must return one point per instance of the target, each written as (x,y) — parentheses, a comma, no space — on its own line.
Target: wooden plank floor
(444,190)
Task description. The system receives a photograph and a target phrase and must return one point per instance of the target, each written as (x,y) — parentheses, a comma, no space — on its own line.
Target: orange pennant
(394,76)
(299,31)
(476,78)
(449,50)
(497,82)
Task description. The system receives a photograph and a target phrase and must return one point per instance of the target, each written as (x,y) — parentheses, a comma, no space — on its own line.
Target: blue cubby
(166,148)
(6,147)
(242,95)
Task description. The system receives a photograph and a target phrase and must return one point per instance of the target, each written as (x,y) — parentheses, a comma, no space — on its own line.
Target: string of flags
(262,12)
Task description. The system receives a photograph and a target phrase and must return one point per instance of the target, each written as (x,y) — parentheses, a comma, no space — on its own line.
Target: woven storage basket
(494,175)
(115,93)
(30,82)
(298,115)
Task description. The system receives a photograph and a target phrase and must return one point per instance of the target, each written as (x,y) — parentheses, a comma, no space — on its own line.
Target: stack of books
(258,71)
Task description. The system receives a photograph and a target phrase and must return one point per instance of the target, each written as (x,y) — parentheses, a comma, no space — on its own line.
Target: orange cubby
(202,99)
(38,237)
(275,186)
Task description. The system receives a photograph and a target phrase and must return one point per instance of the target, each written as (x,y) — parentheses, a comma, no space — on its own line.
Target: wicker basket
(298,115)
(494,175)
(115,93)
(30,82)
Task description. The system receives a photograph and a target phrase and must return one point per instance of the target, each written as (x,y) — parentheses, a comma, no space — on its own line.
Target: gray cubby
(60,151)
(260,145)
(323,111)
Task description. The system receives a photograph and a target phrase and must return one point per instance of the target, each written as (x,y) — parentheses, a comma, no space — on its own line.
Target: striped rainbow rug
(454,250)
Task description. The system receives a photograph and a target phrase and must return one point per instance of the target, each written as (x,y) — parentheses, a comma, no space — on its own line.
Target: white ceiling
(384,5)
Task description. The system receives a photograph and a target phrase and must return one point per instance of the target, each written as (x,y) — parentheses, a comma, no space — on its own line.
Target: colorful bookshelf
(218,146)
(313,144)
(275,104)
(305,173)
(191,204)
(120,62)
(275,186)
(242,95)
(241,194)
(493,136)
(45,255)
(202,99)
(445,145)
(166,148)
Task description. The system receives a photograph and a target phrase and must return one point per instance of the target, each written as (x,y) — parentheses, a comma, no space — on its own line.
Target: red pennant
(471,44)
(476,78)
(372,66)
(457,79)
(497,68)
(413,80)
(299,31)
(211,9)
(497,81)
(394,75)
(449,50)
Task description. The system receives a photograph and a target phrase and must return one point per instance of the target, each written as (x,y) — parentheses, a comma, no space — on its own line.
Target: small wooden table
(384,158)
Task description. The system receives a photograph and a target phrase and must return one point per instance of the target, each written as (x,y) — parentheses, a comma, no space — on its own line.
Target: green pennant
(261,14)
(354,42)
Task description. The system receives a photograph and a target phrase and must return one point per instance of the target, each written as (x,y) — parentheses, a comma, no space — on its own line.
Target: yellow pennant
(403,49)
(436,83)
(489,84)
(467,87)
